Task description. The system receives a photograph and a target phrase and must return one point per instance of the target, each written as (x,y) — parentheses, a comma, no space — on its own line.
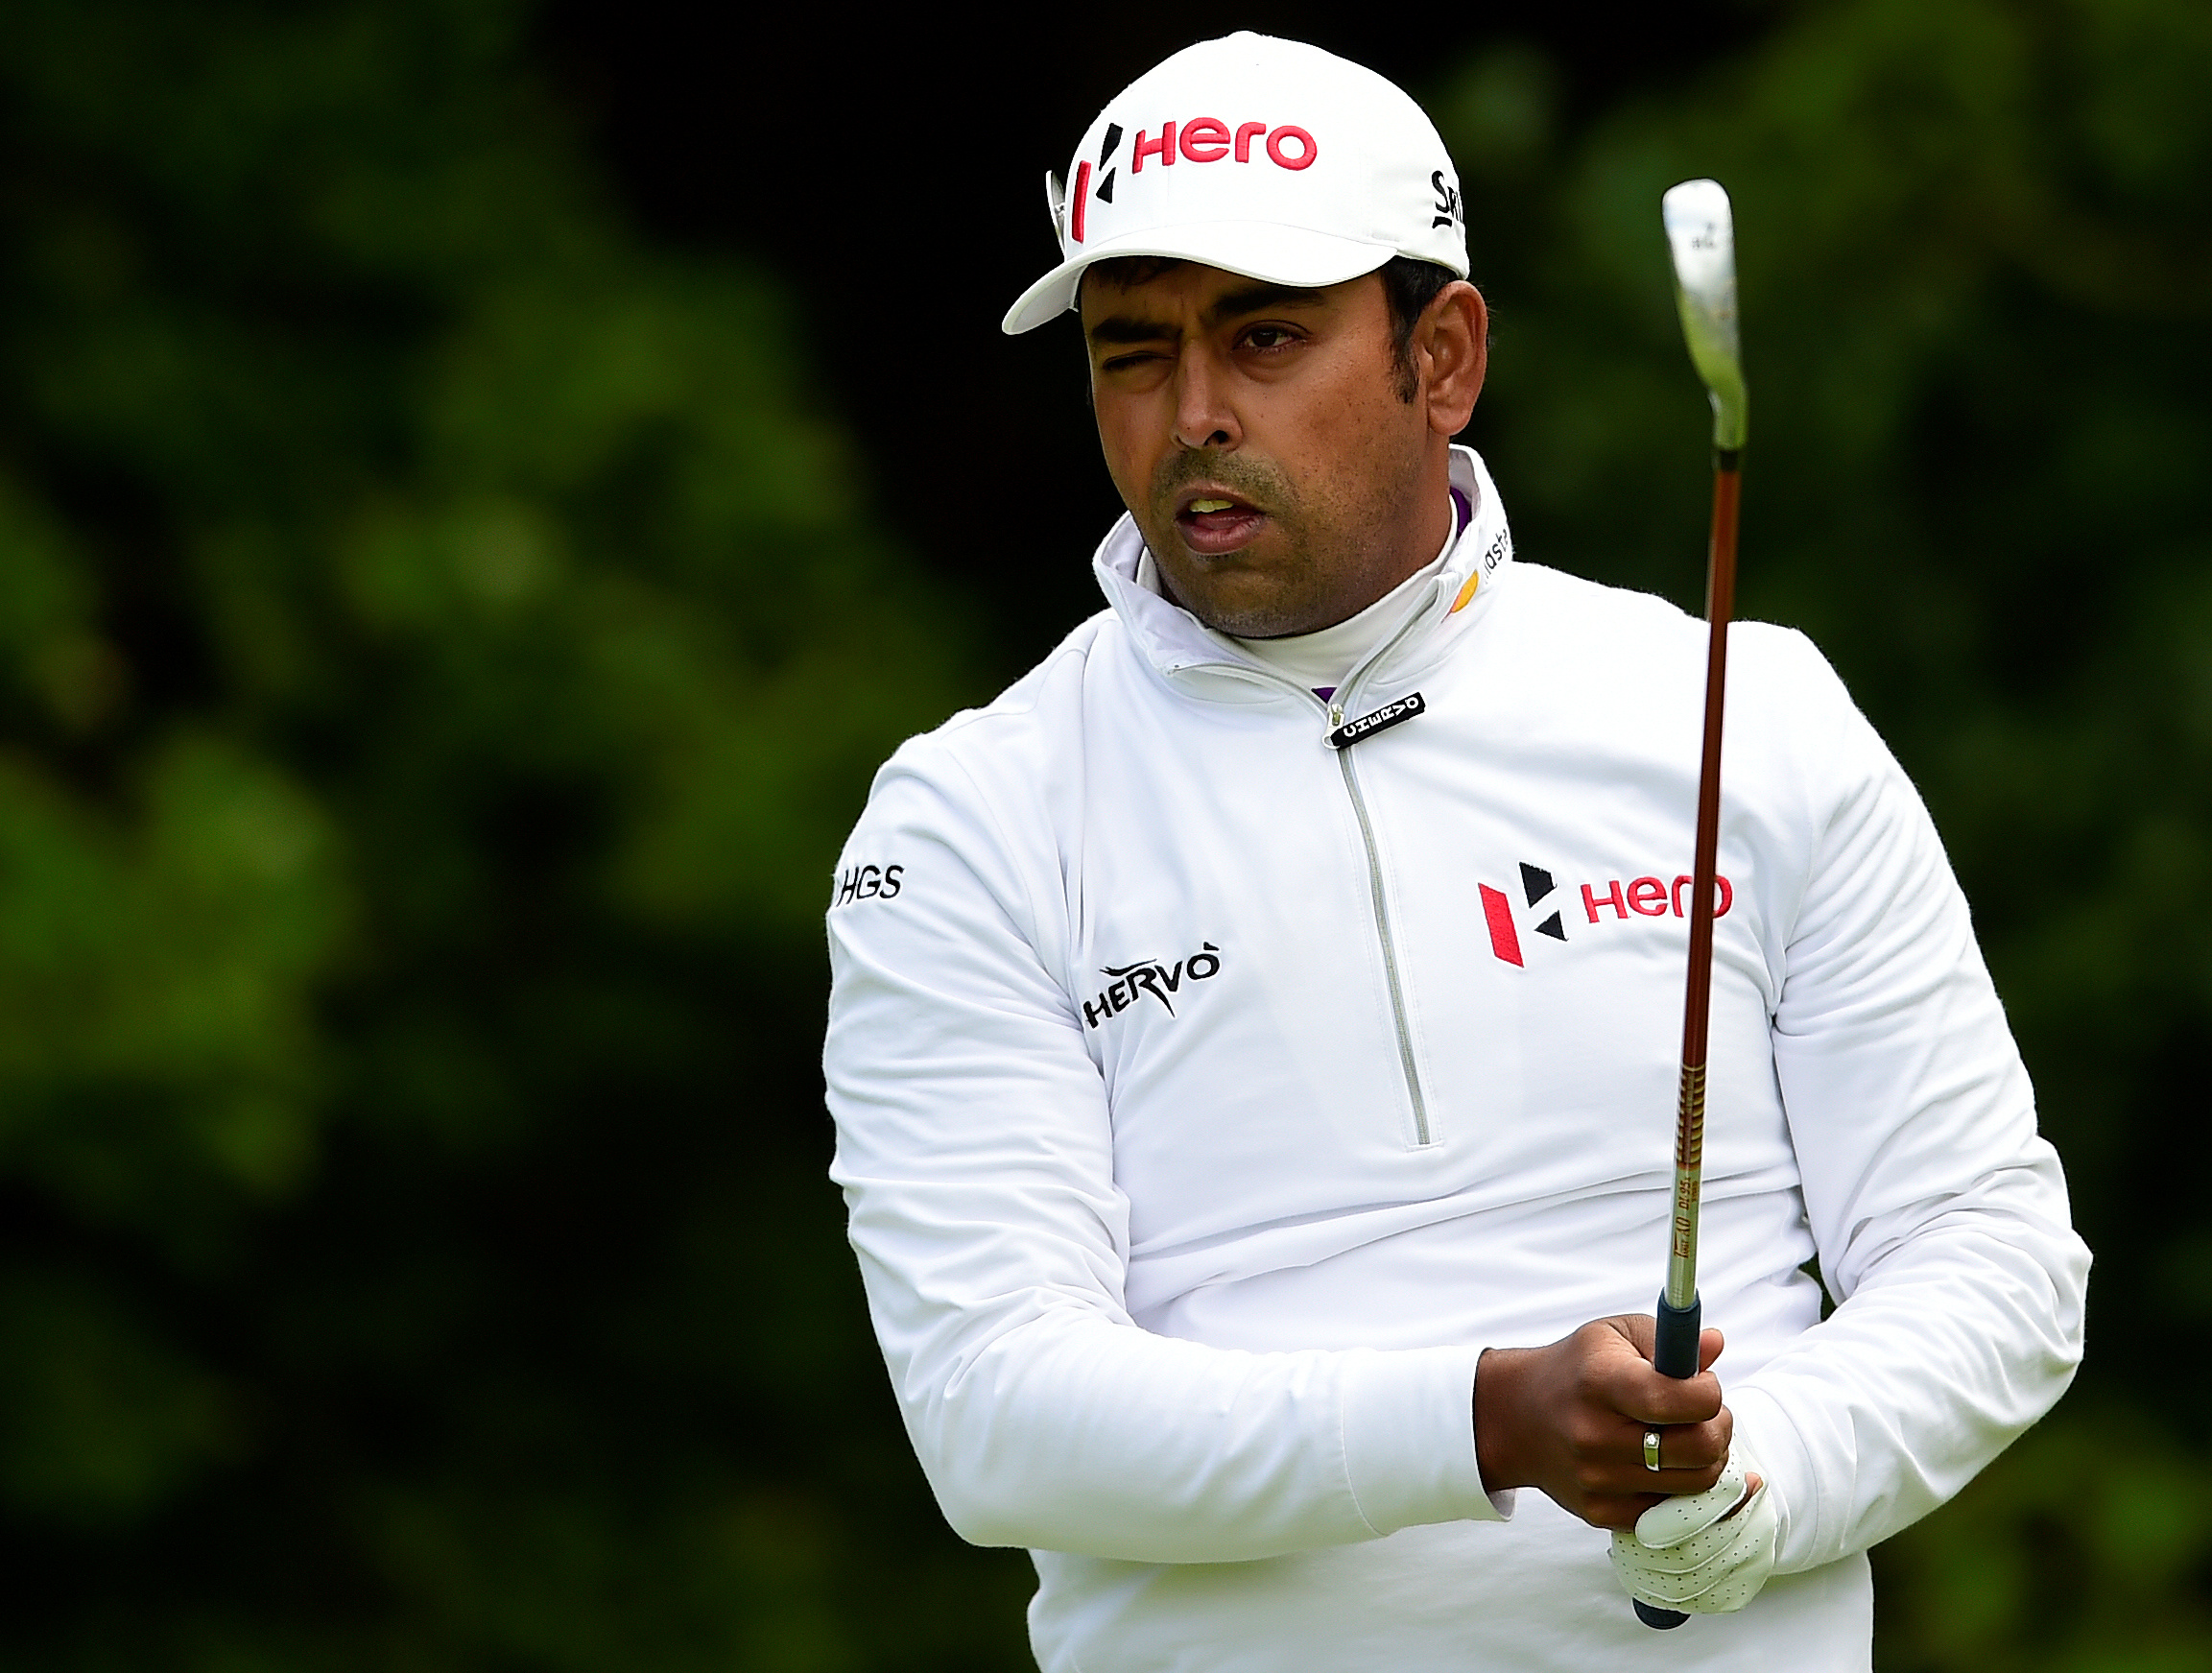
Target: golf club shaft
(1698,989)
(1674,1349)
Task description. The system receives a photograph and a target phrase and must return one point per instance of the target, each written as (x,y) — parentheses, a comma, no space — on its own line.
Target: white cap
(1266,158)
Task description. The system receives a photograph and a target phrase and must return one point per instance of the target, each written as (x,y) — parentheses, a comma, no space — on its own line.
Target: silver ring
(1651,1450)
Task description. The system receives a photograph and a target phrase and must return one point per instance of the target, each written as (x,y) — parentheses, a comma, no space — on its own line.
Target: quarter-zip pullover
(1218,1069)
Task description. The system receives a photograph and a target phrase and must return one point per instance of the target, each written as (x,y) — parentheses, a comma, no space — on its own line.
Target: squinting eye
(1266,336)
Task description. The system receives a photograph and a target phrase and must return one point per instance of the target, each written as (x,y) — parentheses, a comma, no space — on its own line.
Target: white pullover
(1208,1097)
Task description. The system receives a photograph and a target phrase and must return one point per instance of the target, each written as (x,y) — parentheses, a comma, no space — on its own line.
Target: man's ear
(1451,345)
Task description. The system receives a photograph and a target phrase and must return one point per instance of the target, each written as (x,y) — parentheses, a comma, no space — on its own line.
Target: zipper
(1334,713)
(1382,934)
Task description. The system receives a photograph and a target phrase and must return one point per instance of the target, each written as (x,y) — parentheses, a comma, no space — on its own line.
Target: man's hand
(1570,1418)
(1707,1554)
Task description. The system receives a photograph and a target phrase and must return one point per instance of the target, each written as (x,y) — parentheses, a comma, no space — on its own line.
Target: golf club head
(1701,235)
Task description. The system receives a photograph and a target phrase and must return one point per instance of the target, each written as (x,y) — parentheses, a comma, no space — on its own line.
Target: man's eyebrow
(1129,328)
(1258,299)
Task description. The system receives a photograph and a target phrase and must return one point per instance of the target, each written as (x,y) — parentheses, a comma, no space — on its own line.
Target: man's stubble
(1332,551)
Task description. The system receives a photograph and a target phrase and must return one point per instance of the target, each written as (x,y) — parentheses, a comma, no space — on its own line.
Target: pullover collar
(1319,659)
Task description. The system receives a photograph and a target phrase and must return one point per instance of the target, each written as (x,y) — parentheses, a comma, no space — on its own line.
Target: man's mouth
(1213,524)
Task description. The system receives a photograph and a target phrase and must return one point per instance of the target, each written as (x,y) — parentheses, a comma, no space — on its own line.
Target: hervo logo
(1162,981)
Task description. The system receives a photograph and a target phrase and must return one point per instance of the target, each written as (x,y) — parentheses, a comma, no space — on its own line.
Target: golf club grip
(1674,1352)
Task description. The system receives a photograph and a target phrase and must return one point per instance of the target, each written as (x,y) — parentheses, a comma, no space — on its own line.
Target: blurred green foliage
(441,650)
(439,653)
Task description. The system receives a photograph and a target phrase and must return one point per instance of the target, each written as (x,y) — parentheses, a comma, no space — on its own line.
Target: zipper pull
(1336,715)
(1343,736)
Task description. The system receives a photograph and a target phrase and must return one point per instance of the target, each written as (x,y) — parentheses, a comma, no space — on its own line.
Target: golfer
(1254,1037)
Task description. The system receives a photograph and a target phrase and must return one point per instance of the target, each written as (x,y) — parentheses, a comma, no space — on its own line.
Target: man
(1253,1045)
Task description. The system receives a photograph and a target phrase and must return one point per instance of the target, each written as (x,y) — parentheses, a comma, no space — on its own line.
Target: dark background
(894,173)
(482,484)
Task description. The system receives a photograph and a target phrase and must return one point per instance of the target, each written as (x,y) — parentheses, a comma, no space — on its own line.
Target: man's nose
(1204,416)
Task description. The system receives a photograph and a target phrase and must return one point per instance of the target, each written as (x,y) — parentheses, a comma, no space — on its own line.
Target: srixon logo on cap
(1198,139)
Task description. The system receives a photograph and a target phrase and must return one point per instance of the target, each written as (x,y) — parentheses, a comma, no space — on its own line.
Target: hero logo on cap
(1325,172)
(1200,139)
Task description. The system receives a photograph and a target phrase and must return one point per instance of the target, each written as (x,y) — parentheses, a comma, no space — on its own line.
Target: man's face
(1261,440)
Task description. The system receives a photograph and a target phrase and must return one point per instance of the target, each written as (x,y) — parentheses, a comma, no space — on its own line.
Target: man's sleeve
(1940,1215)
(975,1148)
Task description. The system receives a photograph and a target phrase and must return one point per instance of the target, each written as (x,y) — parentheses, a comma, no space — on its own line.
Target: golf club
(1700,236)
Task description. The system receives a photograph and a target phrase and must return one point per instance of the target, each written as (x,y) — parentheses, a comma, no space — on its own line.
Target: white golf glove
(1682,1556)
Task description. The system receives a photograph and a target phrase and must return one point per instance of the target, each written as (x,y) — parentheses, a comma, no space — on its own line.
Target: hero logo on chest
(1625,902)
